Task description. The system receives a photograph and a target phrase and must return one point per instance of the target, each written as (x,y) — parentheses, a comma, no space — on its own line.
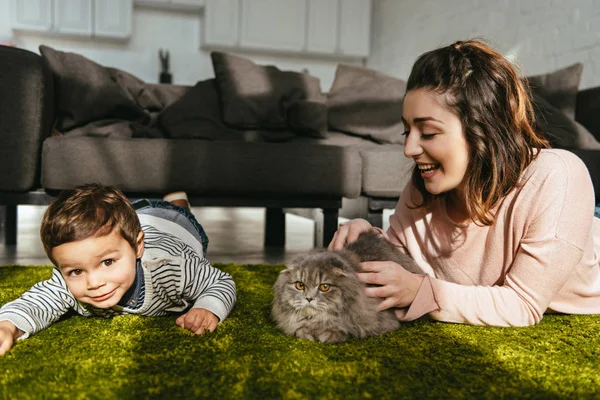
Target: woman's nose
(412,147)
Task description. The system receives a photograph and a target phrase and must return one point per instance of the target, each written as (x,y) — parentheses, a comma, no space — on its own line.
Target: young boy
(112,257)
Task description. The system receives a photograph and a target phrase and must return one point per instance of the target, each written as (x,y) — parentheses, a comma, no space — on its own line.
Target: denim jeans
(170,211)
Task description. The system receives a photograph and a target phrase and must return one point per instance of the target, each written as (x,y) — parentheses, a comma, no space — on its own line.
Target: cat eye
(299,285)
(324,287)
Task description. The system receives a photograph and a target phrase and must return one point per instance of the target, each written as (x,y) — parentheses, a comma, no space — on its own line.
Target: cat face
(317,283)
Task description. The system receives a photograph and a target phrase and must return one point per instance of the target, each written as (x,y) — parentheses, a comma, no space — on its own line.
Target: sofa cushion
(258,97)
(203,167)
(367,103)
(386,170)
(86,91)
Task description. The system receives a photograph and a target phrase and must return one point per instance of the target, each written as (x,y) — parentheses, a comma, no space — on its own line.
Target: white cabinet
(355,27)
(322,26)
(31,15)
(273,24)
(222,21)
(331,27)
(73,17)
(90,18)
(113,18)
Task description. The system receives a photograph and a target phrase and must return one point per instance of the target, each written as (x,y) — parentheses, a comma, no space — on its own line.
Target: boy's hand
(198,320)
(8,334)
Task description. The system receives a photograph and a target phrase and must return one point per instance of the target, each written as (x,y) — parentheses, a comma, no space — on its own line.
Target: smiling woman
(490,207)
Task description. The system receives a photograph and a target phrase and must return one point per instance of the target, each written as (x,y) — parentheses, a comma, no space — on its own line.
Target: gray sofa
(68,121)
(48,145)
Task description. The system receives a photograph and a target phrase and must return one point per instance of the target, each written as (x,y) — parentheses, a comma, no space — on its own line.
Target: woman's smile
(428,171)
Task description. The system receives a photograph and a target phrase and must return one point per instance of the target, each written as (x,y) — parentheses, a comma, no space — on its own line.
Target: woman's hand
(397,287)
(348,233)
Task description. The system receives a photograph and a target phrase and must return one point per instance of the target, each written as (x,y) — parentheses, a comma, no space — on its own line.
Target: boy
(113,258)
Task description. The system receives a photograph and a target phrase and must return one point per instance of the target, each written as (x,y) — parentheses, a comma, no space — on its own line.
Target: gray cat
(318,296)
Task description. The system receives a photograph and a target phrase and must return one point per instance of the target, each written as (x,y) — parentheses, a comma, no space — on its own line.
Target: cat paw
(333,337)
(305,334)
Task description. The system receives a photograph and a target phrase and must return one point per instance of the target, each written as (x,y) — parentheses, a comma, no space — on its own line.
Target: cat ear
(339,272)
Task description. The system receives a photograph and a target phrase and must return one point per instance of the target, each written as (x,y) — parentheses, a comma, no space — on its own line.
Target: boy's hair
(483,89)
(88,211)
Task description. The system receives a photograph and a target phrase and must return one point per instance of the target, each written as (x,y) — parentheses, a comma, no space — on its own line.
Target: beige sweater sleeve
(546,225)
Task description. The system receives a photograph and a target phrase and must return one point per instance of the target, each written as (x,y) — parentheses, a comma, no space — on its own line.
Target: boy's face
(99,270)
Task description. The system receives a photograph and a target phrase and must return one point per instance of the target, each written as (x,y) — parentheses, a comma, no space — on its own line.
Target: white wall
(179,32)
(541,35)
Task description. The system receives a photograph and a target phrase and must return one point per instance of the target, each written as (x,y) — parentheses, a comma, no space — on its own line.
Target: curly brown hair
(87,211)
(483,88)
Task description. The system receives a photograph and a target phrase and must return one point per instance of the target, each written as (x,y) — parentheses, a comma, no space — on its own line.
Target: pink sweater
(541,255)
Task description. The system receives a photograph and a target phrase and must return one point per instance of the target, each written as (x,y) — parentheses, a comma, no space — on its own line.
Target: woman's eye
(299,285)
(108,263)
(405,133)
(324,287)
(427,136)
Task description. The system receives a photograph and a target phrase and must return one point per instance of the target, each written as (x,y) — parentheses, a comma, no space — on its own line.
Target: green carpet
(131,357)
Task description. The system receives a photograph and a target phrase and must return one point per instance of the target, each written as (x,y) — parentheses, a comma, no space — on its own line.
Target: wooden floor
(235,235)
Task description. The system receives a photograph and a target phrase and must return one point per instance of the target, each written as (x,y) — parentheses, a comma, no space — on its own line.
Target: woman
(502,225)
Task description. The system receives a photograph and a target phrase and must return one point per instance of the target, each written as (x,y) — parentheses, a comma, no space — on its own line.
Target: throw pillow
(554,96)
(308,118)
(367,103)
(258,97)
(559,87)
(196,115)
(561,130)
(86,91)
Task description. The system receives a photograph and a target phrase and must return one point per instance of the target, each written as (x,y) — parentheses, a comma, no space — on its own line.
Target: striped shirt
(175,273)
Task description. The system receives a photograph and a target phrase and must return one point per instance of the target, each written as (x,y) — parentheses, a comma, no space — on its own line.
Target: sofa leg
(375,218)
(330,224)
(274,227)
(8,223)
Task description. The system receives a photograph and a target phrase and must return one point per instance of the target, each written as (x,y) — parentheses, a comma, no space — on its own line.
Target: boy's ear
(139,251)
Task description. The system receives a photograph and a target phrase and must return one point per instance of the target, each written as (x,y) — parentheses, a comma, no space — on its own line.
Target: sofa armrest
(587,111)
(27,115)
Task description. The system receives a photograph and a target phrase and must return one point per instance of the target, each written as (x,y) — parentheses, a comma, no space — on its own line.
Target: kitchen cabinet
(87,18)
(331,27)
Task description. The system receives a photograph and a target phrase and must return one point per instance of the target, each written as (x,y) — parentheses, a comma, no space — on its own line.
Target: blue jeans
(171,212)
